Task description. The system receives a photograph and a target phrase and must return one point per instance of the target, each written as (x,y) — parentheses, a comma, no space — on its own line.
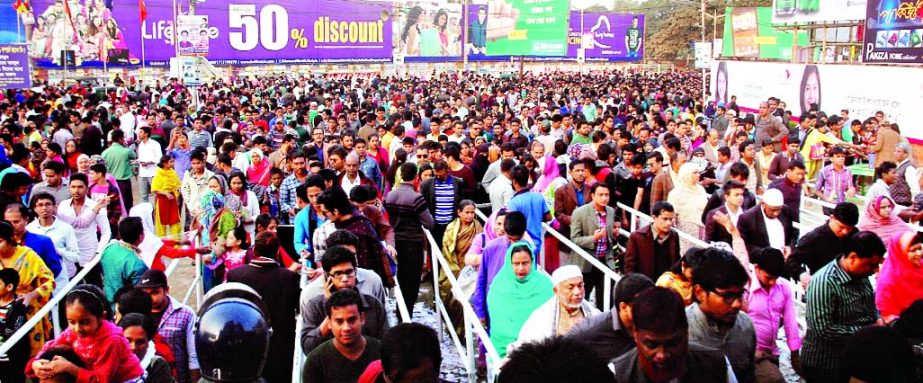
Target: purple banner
(255,32)
(14,66)
(606,36)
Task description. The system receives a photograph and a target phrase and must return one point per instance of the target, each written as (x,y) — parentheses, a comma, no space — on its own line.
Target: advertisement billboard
(427,31)
(14,66)
(893,32)
(260,32)
(193,35)
(606,36)
(518,28)
(812,11)
(831,87)
(748,33)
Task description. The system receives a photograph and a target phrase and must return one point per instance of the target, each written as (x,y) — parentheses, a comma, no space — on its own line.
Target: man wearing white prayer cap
(768,224)
(564,310)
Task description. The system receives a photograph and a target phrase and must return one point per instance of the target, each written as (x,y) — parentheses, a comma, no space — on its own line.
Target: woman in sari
(517,290)
(459,236)
(900,281)
(689,199)
(258,172)
(216,221)
(881,218)
(71,154)
(36,281)
(249,204)
(165,187)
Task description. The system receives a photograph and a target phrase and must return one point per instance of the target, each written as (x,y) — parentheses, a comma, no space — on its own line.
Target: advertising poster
(193,35)
(190,71)
(748,33)
(894,32)
(518,28)
(427,30)
(811,11)
(606,36)
(14,66)
(831,87)
(702,54)
(251,33)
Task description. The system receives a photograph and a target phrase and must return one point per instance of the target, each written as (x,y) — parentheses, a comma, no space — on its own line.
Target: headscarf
(481,161)
(213,206)
(900,281)
(885,227)
(688,197)
(550,172)
(259,174)
(89,161)
(510,300)
(151,243)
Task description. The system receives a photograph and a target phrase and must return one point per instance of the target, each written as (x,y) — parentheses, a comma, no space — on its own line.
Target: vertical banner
(14,66)
(894,32)
(427,30)
(702,54)
(519,27)
(606,36)
(193,35)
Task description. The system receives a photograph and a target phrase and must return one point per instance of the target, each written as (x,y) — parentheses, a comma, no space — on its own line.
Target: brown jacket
(565,202)
(639,256)
(661,186)
(884,146)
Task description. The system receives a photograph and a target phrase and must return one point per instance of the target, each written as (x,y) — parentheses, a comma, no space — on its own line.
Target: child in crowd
(12,318)
(236,249)
(100,344)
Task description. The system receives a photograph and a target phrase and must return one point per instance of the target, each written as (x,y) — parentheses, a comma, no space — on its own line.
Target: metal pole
(467,29)
(703,42)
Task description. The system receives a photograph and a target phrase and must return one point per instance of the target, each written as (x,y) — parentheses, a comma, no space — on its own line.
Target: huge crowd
(363,167)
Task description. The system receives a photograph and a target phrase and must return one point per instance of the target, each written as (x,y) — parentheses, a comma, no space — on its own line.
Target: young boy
(12,317)
(275,185)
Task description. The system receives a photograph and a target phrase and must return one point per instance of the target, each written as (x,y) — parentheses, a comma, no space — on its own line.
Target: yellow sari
(34,275)
(455,245)
(166,211)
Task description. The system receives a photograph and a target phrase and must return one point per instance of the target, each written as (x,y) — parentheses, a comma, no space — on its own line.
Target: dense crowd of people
(361,171)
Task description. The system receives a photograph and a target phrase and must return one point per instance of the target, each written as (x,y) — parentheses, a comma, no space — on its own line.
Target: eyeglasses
(339,274)
(729,296)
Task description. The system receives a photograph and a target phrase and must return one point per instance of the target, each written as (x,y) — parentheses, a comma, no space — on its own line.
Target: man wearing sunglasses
(715,319)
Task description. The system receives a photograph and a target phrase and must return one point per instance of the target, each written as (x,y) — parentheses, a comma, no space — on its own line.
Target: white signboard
(812,11)
(831,87)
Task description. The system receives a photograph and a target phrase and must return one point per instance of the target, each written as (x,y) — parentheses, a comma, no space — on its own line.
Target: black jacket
(428,190)
(752,229)
(816,249)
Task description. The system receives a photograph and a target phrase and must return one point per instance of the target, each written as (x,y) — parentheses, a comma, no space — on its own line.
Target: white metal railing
(51,306)
(636,215)
(472,324)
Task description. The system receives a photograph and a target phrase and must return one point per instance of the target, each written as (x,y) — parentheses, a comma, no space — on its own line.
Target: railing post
(470,351)
(607,293)
(436,297)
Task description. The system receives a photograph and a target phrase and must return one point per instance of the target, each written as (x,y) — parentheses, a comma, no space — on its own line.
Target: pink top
(234,259)
(767,309)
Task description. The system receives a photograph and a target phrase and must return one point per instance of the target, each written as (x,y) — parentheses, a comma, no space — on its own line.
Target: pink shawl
(900,281)
(885,227)
(549,173)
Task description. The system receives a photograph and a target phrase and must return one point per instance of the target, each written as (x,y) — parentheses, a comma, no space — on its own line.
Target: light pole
(703,42)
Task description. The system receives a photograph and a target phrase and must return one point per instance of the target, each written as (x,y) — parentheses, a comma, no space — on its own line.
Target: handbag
(818,152)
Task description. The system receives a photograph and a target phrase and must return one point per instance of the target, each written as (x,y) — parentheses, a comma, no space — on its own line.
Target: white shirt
(149,152)
(775,231)
(348,185)
(64,239)
(85,227)
(129,122)
(732,215)
(501,191)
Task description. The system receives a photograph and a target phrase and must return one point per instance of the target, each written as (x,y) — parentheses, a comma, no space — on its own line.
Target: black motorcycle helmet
(232,334)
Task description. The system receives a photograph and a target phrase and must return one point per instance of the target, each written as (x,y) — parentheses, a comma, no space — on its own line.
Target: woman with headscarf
(258,172)
(881,218)
(165,187)
(900,281)
(517,290)
(216,221)
(547,183)
(249,204)
(688,199)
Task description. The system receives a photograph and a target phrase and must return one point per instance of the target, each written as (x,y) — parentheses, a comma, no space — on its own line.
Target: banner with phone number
(240,32)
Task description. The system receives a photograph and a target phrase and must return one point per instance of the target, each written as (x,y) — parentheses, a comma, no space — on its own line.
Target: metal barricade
(472,324)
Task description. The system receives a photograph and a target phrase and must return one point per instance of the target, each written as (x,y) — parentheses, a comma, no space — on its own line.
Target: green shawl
(510,301)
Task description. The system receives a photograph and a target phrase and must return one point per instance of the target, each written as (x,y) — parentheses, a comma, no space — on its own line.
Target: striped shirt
(838,306)
(445,198)
(287,197)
